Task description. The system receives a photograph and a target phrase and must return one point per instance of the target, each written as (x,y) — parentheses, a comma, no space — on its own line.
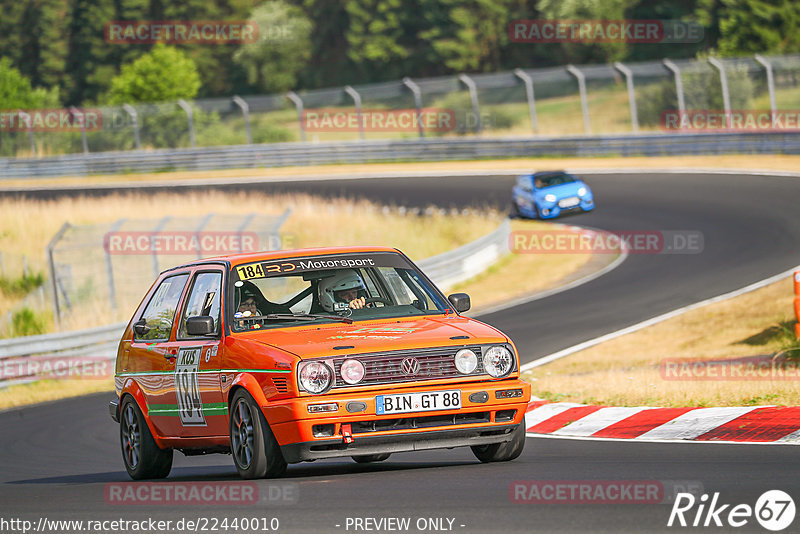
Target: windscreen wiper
(301,316)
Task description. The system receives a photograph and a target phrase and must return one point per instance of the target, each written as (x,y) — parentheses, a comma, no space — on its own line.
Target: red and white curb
(756,424)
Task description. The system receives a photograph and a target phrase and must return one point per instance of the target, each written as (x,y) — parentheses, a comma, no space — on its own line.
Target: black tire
(502,452)
(369,458)
(142,457)
(255,451)
(514,212)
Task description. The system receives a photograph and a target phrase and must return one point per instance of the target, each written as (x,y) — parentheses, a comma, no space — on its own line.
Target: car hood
(563,190)
(340,339)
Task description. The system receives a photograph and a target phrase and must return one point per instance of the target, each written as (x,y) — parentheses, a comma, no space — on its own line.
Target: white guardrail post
(23,359)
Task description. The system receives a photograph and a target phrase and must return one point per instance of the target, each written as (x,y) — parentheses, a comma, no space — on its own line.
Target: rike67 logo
(774,510)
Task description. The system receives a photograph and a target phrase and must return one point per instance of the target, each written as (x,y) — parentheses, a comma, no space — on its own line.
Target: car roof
(266,255)
(545,174)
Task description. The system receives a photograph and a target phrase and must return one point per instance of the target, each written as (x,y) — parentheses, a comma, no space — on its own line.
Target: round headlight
(550,197)
(498,361)
(581,191)
(315,377)
(466,361)
(353,371)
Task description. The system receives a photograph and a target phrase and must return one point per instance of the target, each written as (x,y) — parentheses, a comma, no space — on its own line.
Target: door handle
(171,354)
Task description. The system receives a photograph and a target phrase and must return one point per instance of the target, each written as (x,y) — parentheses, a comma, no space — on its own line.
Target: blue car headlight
(550,197)
(582,191)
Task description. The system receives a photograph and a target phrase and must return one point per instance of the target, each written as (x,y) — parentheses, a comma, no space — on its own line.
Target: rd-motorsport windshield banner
(290,266)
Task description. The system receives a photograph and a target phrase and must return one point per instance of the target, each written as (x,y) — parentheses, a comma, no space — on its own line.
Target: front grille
(386,368)
(407,423)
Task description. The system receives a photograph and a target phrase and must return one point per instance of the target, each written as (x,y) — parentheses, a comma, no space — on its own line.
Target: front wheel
(143,458)
(255,451)
(369,458)
(502,452)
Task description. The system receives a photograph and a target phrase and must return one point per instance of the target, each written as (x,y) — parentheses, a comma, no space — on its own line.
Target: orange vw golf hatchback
(289,356)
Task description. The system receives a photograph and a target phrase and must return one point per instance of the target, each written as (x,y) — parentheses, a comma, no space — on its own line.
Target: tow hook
(347,434)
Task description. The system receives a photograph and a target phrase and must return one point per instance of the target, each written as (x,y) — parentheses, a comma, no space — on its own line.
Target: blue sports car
(545,195)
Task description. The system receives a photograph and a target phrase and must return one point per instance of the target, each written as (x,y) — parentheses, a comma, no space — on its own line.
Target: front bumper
(406,442)
(483,418)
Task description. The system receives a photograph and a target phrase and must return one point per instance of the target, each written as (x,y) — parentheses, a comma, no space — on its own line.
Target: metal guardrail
(24,359)
(299,154)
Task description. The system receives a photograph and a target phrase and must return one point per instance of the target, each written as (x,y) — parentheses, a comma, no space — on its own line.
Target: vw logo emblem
(409,366)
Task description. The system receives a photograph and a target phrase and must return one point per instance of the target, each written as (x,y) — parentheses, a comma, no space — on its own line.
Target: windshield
(355,287)
(550,180)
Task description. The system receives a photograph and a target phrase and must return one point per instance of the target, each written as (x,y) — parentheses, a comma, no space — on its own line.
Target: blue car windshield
(553,179)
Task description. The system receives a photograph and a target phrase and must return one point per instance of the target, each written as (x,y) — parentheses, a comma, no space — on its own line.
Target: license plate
(569,202)
(418,402)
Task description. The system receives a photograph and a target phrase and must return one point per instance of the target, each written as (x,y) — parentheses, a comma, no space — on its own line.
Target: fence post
(75,111)
(522,75)
(160,226)
(245,223)
(357,100)
(112,290)
(584,100)
(473,96)
(631,94)
(239,101)
(726,96)
(275,230)
(190,119)
(298,103)
(408,82)
(770,86)
(23,115)
(53,274)
(678,89)
(203,224)
(135,120)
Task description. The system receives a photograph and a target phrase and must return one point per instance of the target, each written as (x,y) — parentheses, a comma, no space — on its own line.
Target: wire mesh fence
(555,101)
(101,269)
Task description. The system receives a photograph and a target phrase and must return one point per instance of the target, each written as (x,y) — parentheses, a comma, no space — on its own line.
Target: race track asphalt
(57,458)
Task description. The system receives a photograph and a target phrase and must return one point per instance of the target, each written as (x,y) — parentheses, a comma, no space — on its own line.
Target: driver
(343,290)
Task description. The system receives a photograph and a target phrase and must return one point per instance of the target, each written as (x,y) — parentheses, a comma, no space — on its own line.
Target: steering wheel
(372,300)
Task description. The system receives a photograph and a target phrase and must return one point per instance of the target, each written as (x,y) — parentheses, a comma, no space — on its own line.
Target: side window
(160,312)
(204,299)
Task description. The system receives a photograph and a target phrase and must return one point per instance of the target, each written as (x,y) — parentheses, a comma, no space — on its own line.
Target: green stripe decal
(171,410)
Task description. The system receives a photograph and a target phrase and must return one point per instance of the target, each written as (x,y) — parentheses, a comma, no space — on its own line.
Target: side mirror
(202,325)
(140,327)
(460,301)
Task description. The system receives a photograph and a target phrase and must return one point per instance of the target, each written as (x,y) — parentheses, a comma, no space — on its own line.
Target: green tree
(273,62)
(587,9)
(16,91)
(759,26)
(472,34)
(164,73)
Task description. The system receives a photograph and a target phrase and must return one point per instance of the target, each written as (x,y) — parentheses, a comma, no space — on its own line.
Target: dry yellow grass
(26,226)
(772,162)
(522,274)
(625,371)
